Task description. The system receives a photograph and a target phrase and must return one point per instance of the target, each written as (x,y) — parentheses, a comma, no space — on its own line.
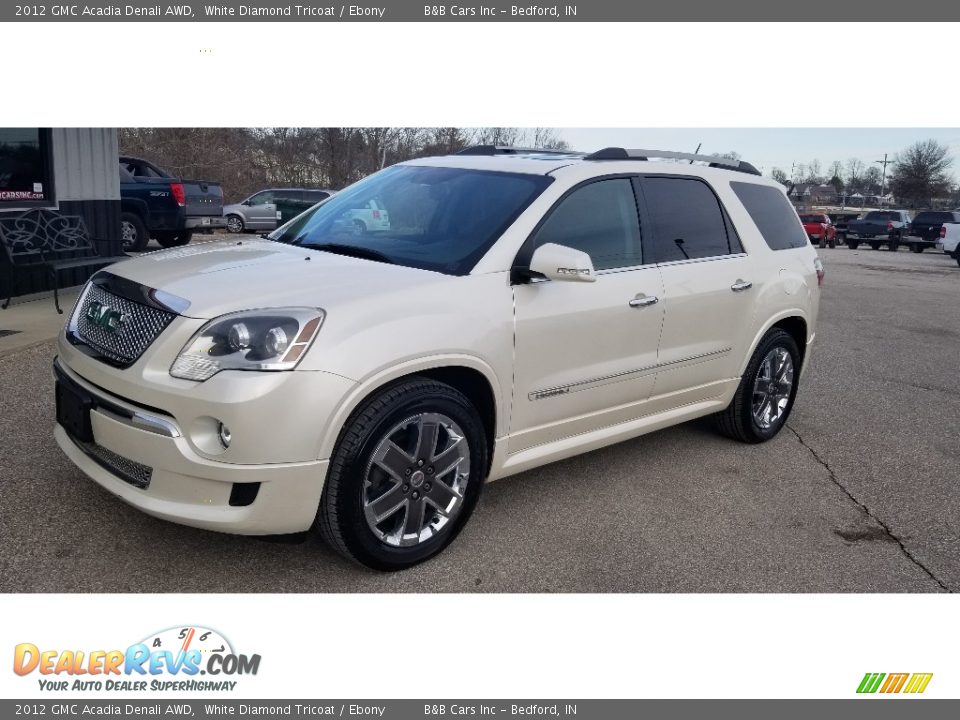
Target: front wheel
(852,244)
(765,396)
(405,475)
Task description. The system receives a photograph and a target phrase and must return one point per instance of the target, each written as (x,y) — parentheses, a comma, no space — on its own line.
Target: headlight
(250,340)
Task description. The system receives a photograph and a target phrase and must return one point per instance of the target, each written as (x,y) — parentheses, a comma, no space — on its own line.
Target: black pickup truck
(878,227)
(156,204)
(924,231)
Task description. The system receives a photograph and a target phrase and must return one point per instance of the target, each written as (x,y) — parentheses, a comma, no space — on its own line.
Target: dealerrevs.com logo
(176,659)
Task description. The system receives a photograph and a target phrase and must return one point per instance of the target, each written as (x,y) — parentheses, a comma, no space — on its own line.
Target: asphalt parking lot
(859,494)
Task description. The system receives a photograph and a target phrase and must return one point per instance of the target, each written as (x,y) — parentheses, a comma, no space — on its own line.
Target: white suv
(520,307)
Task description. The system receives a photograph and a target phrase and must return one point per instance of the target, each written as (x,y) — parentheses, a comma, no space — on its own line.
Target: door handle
(643,301)
(741,285)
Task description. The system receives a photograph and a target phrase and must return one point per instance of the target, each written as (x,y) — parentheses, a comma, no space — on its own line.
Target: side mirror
(559,262)
(246,202)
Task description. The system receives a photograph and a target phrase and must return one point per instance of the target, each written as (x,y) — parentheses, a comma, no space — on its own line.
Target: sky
(767,148)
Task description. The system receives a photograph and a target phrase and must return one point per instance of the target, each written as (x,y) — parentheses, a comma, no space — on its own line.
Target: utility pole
(883,178)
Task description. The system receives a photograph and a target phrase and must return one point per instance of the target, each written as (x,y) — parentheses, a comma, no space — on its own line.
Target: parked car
(879,227)
(949,241)
(819,227)
(372,217)
(924,231)
(521,308)
(840,222)
(267,209)
(156,204)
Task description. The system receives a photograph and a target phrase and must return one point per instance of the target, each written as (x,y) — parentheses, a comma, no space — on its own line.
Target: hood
(221,277)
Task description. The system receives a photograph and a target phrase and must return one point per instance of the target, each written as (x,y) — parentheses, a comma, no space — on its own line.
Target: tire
(916,247)
(740,421)
(852,244)
(875,245)
(833,243)
(359,227)
(346,518)
(893,244)
(176,240)
(235,224)
(133,233)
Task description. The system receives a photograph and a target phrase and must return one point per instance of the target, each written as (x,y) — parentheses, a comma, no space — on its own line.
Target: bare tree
(920,172)
(245,160)
(854,176)
(781,177)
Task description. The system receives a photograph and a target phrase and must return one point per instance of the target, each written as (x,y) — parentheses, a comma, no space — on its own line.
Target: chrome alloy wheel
(772,387)
(234,224)
(128,234)
(416,480)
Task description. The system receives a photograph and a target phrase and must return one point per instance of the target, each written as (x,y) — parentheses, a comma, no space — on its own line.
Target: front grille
(117,328)
(130,471)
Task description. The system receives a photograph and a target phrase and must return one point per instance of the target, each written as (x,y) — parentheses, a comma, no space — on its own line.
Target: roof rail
(510,150)
(618,153)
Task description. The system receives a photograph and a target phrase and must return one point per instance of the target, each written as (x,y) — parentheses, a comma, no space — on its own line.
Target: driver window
(599,219)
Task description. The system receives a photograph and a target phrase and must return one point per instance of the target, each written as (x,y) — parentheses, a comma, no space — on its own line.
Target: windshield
(432,218)
(876,215)
(812,218)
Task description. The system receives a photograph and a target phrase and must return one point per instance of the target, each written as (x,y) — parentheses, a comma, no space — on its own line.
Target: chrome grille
(130,471)
(138,325)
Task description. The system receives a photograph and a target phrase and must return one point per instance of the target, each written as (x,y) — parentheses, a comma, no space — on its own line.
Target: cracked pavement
(859,494)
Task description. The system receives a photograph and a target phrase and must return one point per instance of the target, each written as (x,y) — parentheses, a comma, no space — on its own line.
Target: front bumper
(276,494)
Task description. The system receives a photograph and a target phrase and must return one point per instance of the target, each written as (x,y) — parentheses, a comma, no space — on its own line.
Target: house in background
(71,170)
(812,194)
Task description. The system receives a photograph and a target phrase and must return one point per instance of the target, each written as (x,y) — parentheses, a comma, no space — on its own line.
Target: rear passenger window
(686,220)
(599,219)
(773,215)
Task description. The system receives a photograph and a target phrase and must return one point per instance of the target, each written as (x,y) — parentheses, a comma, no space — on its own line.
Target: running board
(602,437)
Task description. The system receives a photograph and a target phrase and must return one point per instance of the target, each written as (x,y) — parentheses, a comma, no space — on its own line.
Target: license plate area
(73,412)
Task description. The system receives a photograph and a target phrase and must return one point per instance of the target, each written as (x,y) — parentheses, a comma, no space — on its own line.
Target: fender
(368,385)
(771,321)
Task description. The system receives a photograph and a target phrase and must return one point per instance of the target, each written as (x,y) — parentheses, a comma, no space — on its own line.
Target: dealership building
(71,170)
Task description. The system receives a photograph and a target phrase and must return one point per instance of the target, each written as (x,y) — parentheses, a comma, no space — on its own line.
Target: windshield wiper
(352,251)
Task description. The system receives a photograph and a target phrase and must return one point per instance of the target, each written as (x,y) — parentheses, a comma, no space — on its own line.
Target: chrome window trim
(712,258)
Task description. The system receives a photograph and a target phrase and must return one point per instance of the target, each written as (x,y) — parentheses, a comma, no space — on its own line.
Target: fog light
(225,436)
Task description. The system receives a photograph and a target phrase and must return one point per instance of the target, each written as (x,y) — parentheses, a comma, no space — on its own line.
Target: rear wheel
(875,245)
(852,244)
(766,392)
(133,233)
(405,475)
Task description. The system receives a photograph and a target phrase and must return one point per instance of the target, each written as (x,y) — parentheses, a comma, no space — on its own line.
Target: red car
(820,228)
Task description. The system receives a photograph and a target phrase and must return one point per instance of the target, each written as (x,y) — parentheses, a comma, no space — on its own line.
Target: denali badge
(105,317)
